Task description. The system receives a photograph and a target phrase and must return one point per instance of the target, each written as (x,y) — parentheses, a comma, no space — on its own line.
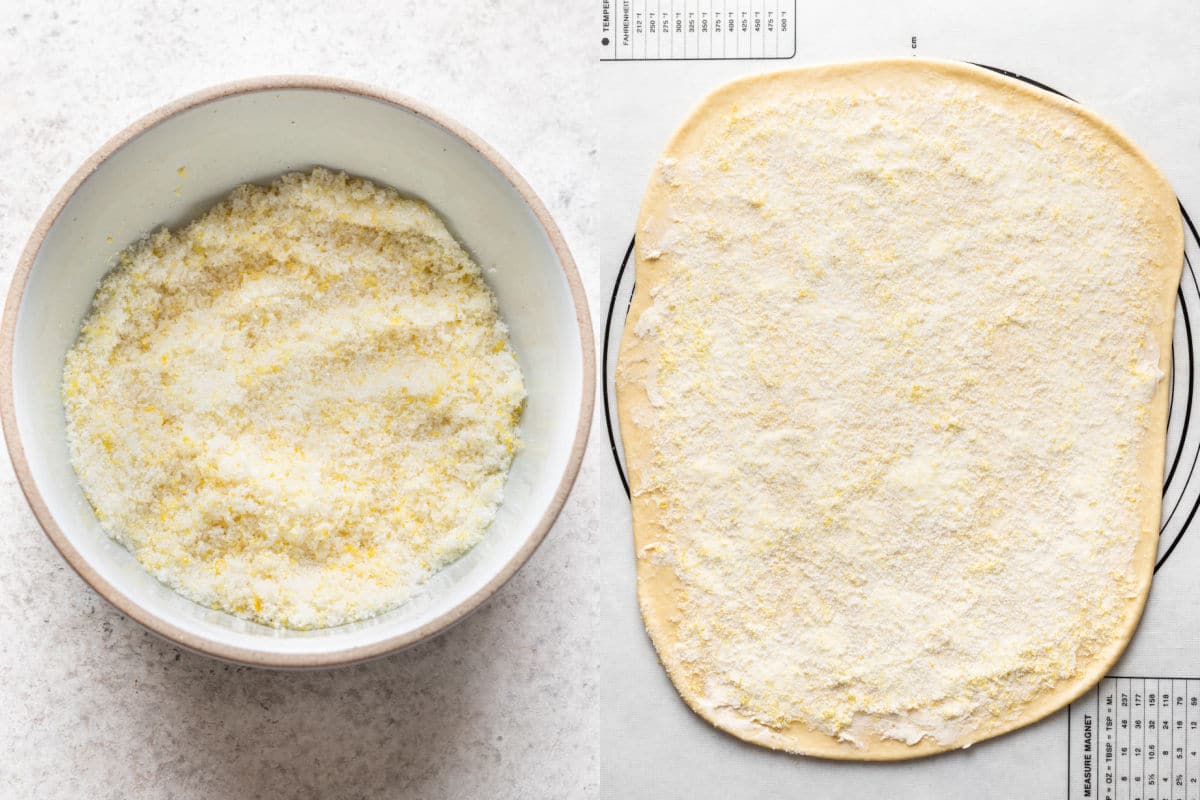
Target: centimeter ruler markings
(696,30)
(1136,739)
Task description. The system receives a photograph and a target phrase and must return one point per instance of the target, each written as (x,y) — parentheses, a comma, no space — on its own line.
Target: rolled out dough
(893,404)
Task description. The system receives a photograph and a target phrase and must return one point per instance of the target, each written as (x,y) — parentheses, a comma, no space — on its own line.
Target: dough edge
(657,585)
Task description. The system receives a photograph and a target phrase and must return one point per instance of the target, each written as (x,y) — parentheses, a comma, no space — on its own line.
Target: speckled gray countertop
(93,705)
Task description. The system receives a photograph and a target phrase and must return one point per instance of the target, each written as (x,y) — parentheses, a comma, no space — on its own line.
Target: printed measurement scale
(692,30)
(1136,739)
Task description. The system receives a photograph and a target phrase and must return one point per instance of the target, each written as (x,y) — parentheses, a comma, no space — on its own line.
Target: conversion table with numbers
(697,30)
(1136,738)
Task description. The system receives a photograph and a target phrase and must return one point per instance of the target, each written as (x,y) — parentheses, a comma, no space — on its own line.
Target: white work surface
(552,690)
(1135,64)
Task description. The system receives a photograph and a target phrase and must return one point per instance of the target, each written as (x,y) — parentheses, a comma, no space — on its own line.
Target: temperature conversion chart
(696,30)
(1136,739)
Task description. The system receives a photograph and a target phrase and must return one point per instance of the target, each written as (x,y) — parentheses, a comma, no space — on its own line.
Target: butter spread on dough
(891,392)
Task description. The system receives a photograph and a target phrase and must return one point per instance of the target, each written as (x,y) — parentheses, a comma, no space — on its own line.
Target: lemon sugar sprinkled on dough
(892,403)
(299,406)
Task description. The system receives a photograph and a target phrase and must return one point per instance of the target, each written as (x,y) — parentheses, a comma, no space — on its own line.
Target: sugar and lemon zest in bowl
(298,407)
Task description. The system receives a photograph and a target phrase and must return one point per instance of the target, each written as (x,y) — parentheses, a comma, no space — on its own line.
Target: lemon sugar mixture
(299,406)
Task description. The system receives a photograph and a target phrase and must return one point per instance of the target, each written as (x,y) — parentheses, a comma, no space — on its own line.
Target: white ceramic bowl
(253,131)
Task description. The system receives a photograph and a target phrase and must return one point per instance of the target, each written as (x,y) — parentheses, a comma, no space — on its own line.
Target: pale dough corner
(871,503)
